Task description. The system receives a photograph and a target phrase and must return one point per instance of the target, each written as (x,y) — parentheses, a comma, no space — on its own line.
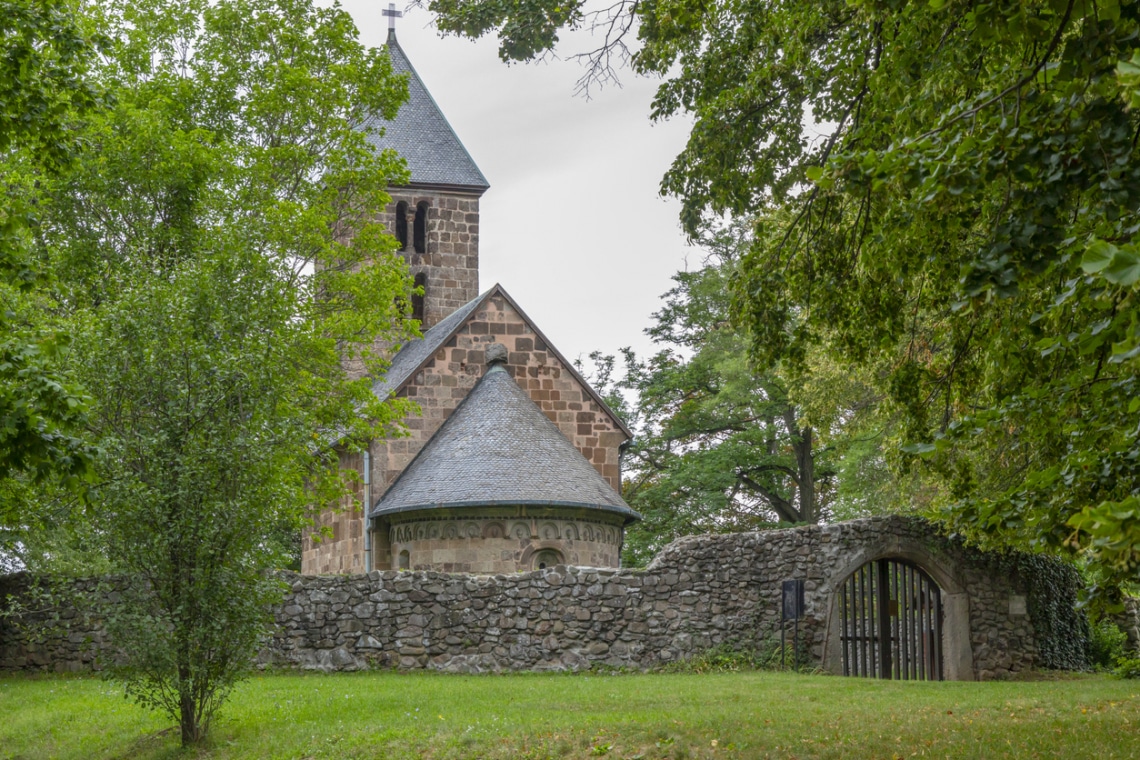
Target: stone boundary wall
(700,592)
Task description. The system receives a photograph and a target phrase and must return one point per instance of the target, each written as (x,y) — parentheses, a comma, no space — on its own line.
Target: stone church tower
(436,216)
(513,462)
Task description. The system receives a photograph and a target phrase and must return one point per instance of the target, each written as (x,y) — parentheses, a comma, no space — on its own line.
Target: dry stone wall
(700,592)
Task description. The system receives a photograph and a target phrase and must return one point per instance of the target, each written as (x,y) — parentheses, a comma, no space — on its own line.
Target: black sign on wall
(793,599)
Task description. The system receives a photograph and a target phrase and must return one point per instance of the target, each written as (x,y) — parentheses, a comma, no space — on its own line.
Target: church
(514,461)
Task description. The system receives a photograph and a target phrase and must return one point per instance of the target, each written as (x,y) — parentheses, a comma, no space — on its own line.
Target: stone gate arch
(953,644)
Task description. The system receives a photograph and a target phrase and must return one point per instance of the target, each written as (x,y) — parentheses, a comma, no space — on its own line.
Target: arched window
(405,560)
(419,239)
(402,224)
(418,300)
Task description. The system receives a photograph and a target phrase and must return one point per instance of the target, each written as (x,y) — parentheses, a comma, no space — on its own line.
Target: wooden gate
(891,613)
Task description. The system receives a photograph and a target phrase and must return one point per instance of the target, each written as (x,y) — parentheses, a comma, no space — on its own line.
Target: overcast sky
(573,225)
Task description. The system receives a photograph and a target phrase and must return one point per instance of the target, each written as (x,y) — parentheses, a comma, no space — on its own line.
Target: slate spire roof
(498,448)
(421,134)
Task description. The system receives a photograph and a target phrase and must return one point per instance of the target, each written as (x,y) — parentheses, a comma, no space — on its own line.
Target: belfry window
(419,233)
(402,224)
(418,300)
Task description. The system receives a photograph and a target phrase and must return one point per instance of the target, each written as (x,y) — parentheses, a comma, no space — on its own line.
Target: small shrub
(732,657)
(1108,650)
(721,659)
(1106,645)
(1127,667)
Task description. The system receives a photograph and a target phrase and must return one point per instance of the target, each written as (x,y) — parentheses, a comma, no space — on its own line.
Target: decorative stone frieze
(491,543)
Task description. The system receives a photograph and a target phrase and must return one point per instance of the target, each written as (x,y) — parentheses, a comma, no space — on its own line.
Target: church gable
(444,376)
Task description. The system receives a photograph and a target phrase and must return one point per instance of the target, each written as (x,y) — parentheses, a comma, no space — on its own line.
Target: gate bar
(884,607)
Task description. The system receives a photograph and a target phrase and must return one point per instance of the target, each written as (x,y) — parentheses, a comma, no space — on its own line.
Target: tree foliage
(947,190)
(45,53)
(956,228)
(719,447)
(219,264)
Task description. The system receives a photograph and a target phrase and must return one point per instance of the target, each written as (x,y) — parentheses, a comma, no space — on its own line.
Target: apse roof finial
(495,354)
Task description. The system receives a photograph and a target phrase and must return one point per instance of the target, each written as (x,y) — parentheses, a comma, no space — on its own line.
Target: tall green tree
(219,263)
(948,190)
(46,50)
(960,240)
(719,446)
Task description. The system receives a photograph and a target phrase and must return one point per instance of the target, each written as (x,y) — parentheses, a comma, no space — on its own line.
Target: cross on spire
(392,15)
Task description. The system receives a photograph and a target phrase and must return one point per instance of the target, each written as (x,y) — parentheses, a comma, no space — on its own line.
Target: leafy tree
(45,53)
(220,267)
(956,239)
(961,213)
(719,447)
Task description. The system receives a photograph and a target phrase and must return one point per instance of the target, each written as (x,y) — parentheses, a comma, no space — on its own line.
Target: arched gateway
(898,609)
(890,617)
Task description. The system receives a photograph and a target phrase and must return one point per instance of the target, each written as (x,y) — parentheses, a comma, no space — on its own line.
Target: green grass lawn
(728,715)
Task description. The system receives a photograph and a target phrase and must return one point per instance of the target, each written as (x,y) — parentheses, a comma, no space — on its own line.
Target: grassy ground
(730,715)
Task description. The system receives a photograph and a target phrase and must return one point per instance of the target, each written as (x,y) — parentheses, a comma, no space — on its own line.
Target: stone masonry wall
(700,592)
(342,549)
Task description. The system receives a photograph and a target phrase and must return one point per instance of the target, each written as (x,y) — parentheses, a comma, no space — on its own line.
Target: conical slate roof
(498,448)
(420,133)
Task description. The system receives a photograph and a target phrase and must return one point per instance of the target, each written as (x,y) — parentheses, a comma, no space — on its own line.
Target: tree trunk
(802,442)
(191,731)
(806,462)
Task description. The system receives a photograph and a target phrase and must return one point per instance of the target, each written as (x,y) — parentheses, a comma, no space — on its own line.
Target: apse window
(547,558)
(405,560)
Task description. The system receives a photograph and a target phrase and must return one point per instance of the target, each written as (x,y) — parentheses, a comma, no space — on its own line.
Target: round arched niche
(541,555)
(547,558)
(957,653)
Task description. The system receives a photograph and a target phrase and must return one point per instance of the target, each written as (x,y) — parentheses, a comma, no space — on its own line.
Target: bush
(1106,645)
(1108,650)
(1128,667)
(733,657)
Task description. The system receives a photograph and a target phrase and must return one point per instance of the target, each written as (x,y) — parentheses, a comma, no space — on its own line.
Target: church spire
(421,133)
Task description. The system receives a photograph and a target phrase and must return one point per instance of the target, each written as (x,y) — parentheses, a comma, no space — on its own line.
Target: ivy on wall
(1062,631)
